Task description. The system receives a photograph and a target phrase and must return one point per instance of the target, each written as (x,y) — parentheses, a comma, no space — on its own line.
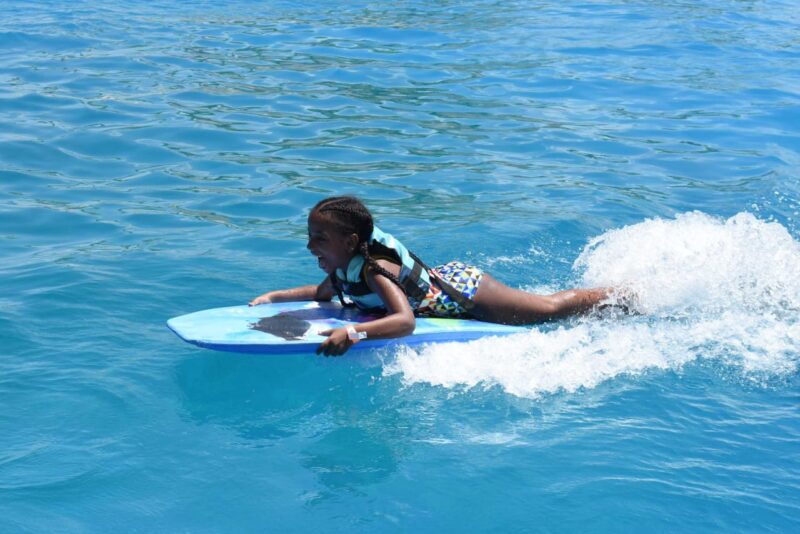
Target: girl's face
(332,248)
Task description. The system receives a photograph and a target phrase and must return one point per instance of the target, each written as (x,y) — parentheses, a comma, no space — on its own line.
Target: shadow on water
(327,413)
(256,397)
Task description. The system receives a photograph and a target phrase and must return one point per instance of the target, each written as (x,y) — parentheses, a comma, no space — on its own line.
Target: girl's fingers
(261,299)
(325,346)
(328,347)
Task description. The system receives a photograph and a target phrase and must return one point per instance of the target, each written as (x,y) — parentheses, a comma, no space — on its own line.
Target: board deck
(292,327)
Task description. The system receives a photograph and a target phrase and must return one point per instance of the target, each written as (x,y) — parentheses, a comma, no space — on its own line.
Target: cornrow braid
(351,215)
(364,249)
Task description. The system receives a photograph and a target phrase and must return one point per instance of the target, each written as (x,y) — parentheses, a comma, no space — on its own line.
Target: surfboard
(293,327)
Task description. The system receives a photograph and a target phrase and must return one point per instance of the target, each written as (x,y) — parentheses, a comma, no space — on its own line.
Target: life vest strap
(451,292)
(411,283)
(338,287)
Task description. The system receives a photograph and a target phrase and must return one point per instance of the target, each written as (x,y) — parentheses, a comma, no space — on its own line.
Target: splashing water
(699,264)
(707,288)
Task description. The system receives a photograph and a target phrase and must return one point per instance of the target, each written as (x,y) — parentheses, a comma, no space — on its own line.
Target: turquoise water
(159,159)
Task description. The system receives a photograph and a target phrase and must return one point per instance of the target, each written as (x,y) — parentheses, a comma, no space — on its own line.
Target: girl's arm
(323,291)
(399,319)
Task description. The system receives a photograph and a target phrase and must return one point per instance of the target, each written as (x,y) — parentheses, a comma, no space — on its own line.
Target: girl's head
(347,214)
(338,228)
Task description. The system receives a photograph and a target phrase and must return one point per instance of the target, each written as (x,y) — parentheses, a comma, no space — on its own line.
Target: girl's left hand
(337,343)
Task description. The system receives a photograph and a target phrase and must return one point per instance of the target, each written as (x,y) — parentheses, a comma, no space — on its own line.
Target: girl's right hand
(263,299)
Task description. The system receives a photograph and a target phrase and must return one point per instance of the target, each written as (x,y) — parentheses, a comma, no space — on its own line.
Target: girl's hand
(263,299)
(337,343)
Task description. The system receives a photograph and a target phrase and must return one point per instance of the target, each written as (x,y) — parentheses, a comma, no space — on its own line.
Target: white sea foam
(726,290)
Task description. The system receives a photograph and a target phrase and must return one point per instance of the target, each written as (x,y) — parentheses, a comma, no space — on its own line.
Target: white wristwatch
(353,335)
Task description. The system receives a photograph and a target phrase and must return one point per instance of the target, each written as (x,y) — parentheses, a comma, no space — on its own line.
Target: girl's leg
(498,303)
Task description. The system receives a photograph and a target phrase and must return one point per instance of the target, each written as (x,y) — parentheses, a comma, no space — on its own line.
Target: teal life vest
(414,277)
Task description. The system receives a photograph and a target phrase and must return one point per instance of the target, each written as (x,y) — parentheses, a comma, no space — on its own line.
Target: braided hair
(350,215)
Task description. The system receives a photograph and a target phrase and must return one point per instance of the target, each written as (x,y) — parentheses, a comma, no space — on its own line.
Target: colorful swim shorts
(464,278)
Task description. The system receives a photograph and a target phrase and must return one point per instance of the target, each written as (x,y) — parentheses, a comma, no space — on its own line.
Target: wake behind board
(292,327)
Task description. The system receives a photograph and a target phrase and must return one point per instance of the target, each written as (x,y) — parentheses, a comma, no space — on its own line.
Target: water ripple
(158,158)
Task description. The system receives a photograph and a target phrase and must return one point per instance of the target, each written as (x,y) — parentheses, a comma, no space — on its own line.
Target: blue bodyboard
(292,327)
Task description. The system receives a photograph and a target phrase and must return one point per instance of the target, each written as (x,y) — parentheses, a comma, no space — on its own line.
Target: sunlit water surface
(157,160)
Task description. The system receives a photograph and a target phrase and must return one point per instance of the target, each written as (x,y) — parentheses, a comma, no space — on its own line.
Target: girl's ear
(352,242)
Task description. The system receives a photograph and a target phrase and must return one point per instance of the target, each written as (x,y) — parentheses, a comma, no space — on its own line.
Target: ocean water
(158,158)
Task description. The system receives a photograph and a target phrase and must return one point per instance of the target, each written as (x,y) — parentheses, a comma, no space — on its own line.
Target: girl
(379,274)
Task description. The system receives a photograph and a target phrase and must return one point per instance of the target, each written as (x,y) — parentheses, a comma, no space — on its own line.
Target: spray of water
(708,288)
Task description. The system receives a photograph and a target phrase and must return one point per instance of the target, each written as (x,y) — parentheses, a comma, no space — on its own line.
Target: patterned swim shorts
(464,278)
